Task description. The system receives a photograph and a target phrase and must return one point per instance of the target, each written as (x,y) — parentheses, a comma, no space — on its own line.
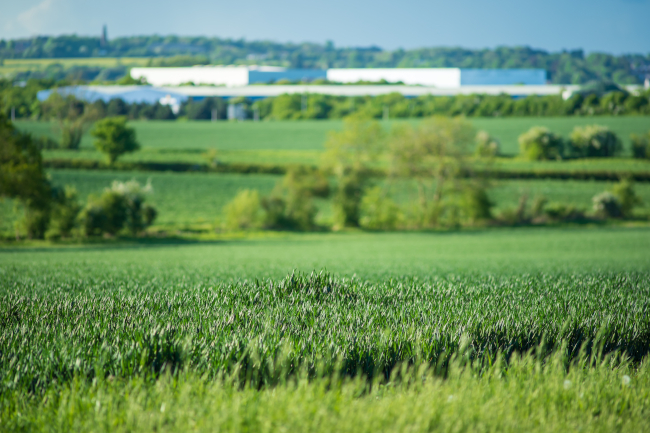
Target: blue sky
(615,26)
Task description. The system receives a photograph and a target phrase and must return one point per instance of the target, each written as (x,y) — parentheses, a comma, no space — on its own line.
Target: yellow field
(10,66)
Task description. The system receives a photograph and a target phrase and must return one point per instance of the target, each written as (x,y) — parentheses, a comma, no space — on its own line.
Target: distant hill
(566,67)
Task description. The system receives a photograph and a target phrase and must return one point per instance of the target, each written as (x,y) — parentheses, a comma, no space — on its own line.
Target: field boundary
(252,168)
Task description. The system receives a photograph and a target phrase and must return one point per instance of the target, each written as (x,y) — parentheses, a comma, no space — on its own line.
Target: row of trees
(436,158)
(565,67)
(435,155)
(314,106)
(589,141)
(599,99)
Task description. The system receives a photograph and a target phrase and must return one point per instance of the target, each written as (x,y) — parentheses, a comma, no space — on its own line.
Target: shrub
(290,205)
(378,212)
(607,205)
(475,204)
(624,192)
(486,145)
(120,206)
(244,211)
(563,212)
(641,145)
(540,143)
(594,141)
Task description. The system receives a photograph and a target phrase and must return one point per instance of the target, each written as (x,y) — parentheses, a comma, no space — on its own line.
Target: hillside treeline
(316,106)
(565,67)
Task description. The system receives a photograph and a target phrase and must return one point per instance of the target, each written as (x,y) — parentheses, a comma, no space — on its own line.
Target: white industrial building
(237,76)
(445,78)
(229,76)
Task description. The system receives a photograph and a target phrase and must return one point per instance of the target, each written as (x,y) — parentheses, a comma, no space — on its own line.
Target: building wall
(502,77)
(266,76)
(217,75)
(436,77)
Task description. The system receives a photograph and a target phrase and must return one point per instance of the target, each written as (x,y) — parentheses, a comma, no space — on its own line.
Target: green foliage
(556,211)
(594,141)
(73,118)
(435,155)
(348,156)
(119,207)
(65,211)
(244,211)
(564,67)
(627,197)
(114,138)
(487,146)
(22,177)
(475,204)
(607,205)
(290,205)
(540,143)
(378,211)
(528,395)
(641,145)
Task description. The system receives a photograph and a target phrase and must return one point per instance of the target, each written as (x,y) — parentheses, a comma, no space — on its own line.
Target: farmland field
(306,135)
(167,336)
(12,66)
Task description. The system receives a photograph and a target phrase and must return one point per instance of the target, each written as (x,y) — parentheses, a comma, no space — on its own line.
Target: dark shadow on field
(301,237)
(112,244)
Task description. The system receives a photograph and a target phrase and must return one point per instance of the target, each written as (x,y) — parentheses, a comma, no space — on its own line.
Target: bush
(244,211)
(119,207)
(594,141)
(624,192)
(378,212)
(607,205)
(641,145)
(563,212)
(486,145)
(290,205)
(475,204)
(46,143)
(539,143)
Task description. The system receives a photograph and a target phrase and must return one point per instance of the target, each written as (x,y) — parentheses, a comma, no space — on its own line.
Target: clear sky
(615,26)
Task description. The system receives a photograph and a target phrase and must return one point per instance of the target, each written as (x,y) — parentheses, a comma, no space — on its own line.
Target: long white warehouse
(237,76)
(445,78)
(229,76)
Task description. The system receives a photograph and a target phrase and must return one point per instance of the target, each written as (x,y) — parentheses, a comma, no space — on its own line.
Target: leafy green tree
(114,138)
(73,117)
(539,143)
(434,154)
(65,211)
(348,156)
(22,177)
(593,141)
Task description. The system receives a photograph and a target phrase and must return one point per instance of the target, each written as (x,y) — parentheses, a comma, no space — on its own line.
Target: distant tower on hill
(104,39)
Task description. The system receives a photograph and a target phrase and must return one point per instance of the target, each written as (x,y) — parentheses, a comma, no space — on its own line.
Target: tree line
(443,159)
(600,99)
(564,67)
(56,212)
